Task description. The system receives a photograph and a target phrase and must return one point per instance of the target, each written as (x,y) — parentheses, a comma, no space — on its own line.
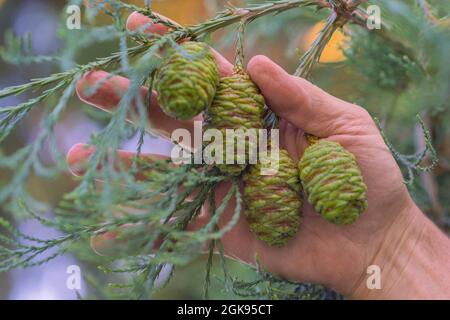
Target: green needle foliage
(389,60)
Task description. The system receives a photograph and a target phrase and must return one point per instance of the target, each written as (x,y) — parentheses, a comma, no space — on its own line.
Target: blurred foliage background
(356,66)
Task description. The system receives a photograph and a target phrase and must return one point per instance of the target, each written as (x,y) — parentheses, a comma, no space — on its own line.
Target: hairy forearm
(414,262)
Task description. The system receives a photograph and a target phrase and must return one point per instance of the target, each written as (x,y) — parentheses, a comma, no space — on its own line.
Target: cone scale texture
(333,182)
(273,202)
(238,104)
(187,80)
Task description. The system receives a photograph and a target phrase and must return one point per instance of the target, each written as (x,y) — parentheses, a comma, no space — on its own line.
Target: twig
(428,179)
(412,162)
(312,56)
(426,8)
(63,76)
(240,54)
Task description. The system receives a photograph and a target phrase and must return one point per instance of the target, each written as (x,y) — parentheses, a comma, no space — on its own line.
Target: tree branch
(427,11)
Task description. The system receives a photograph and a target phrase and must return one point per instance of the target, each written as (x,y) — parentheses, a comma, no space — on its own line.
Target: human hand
(336,256)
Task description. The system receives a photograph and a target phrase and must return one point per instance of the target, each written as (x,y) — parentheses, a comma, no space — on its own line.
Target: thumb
(302,103)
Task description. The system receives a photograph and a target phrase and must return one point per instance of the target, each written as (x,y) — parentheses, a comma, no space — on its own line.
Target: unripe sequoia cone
(333,182)
(273,202)
(238,104)
(187,80)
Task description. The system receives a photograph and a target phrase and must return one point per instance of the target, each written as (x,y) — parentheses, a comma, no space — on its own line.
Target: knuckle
(256,64)
(362,114)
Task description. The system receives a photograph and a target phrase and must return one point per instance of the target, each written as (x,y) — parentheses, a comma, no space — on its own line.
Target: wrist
(414,261)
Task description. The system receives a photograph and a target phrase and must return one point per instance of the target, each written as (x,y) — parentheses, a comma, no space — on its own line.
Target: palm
(322,251)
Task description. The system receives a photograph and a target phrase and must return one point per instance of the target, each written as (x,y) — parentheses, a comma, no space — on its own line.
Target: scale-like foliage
(126,200)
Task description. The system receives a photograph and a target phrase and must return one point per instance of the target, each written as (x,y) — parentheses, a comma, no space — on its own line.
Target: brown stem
(428,179)
(426,8)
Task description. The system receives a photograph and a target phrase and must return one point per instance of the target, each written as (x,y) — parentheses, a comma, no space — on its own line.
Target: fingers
(104,91)
(128,237)
(78,157)
(136,21)
(303,104)
(134,238)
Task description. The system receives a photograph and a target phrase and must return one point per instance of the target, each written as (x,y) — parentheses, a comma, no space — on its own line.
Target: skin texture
(393,233)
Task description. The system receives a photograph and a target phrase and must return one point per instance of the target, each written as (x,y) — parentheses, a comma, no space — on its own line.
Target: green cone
(333,182)
(187,80)
(273,202)
(238,104)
